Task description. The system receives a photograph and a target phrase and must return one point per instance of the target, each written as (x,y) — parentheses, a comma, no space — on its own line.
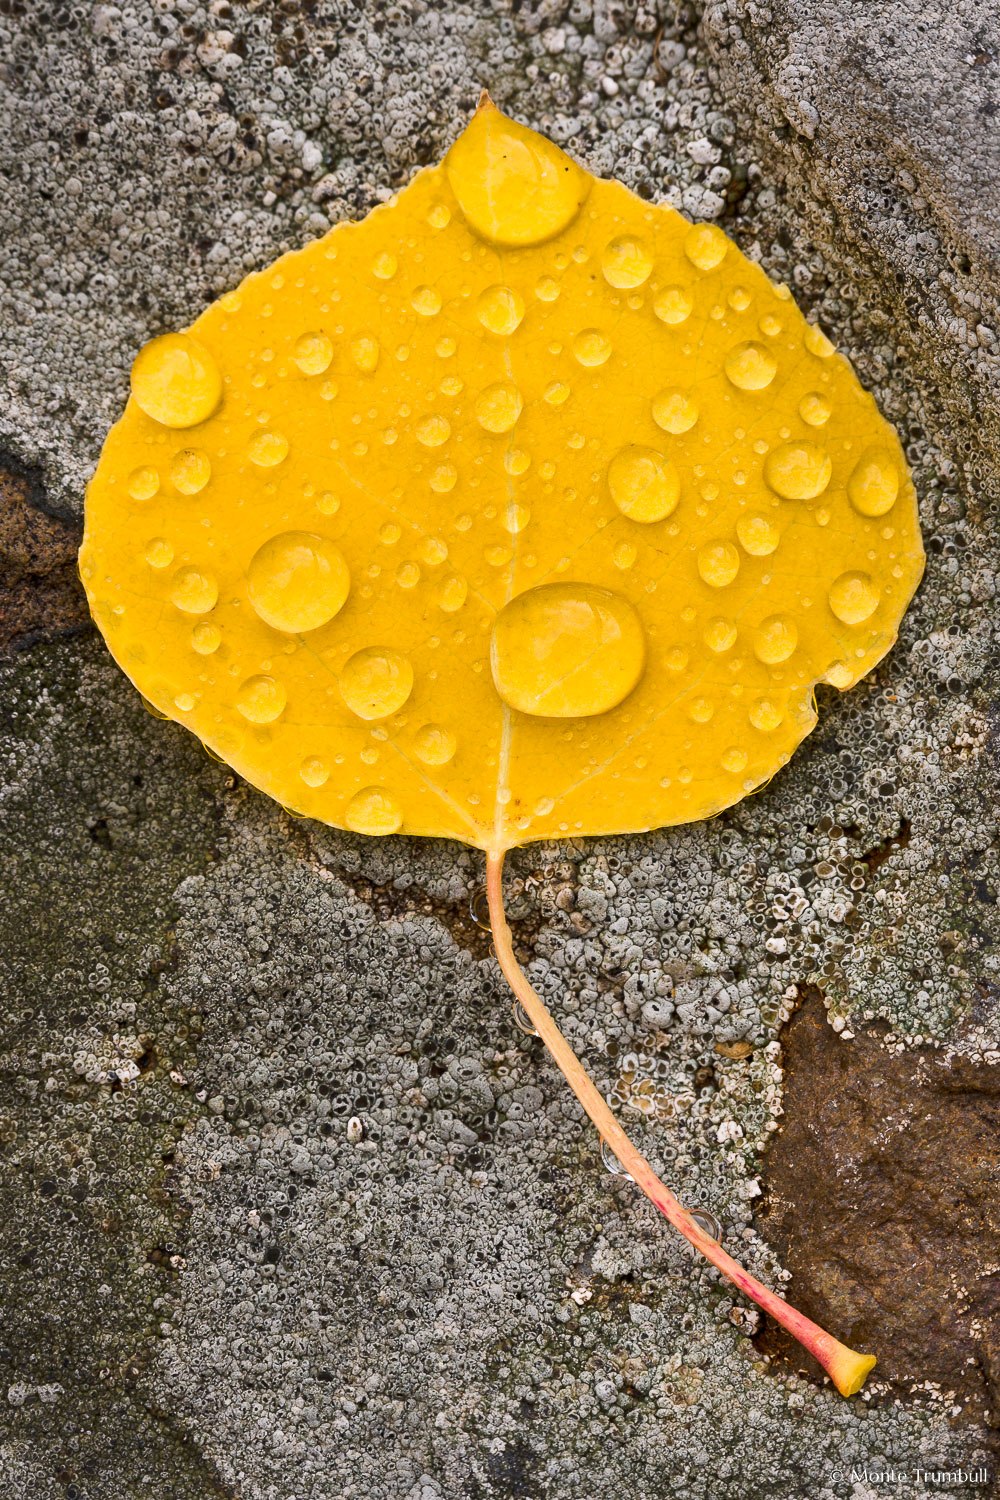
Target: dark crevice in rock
(881,1199)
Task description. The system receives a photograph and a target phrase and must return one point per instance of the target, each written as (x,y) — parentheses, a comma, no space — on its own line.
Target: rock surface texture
(291,1207)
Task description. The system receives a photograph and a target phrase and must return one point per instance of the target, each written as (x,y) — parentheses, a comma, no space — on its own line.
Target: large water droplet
(674,412)
(750,367)
(176,381)
(434,745)
(673,305)
(591,347)
(261,699)
(433,430)
(513,186)
(718,563)
(500,309)
(798,471)
(314,771)
(874,483)
(498,407)
(190,471)
(194,591)
(297,581)
(705,246)
(644,485)
(774,640)
(313,353)
(567,650)
(376,682)
(757,535)
(143,483)
(373,810)
(854,598)
(266,449)
(626,262)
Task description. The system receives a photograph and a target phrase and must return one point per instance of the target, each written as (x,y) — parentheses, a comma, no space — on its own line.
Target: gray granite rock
(292,1210)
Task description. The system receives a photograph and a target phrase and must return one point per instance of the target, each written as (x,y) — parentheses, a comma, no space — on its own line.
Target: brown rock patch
(882,1200)
(40,592)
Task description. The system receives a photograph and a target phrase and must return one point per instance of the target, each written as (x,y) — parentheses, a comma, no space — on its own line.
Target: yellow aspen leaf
(520,509)
(574,465)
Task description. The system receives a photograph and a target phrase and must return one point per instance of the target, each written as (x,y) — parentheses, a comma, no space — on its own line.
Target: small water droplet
(521,1018)
(673,305)
(547,290)
(443,479)
(498,407)
(194,591)
(376,682)
(734,759)
(705,246)
(266,449)
(445,348)
(612,1164)
(591,348)
(701,710)
(739,299)
(365,353)
(516,461)
(817,342)
(327,503)
(500,309)
(373,811)
(515,518)
(707,1222)
(854,598)
(313,353)
(839,675)
(626,262)
(557,392)
(159,552)
(143,483)
(297,581)
(434,551)
(433,430)
(720,634)
(479,908)
(765,715)
(261,699)
(770,326)
(798,470)
(206,638)
(644,485)
(718,563)
(774,640)
(874,483)
(757,535)
(185,702)
(750,367)
(426,301)
(624,555)
(814,409)
(439,216)
(314,771)
(408,575)
(176,381)
(454,592)
(674,411)
(190,471)
(390,533)
(434,745)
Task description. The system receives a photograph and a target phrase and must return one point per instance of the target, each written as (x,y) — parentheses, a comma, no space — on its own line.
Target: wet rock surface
(881,1199)
(358,1240)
